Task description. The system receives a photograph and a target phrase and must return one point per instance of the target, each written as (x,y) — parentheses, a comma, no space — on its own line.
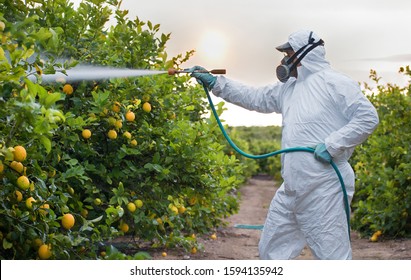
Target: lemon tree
(72,155)
(382,165)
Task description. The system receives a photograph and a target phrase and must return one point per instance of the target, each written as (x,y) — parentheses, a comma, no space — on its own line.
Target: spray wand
(173,71)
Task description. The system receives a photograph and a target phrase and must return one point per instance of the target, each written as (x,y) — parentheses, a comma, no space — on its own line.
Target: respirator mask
(288,66)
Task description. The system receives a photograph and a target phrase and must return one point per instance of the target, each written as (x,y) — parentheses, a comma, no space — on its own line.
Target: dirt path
(239,244)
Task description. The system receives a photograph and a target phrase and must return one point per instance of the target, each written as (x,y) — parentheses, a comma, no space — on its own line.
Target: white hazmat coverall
(320,106)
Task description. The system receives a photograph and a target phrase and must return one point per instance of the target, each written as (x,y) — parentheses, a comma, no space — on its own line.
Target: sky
(241,36)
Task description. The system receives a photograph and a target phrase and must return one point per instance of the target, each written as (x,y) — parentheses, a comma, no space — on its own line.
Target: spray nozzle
(173,71)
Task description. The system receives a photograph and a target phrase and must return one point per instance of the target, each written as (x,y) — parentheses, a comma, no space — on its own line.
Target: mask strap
(310,41)
(320,42)
(310,38)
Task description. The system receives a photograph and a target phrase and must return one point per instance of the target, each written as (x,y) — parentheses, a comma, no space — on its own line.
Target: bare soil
(242,244)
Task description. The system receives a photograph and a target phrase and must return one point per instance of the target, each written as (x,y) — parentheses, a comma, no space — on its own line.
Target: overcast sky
(241,36)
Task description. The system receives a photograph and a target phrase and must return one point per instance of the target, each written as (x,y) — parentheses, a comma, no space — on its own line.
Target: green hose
(288,150)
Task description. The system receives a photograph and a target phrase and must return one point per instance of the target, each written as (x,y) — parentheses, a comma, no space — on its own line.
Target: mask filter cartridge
(284,71)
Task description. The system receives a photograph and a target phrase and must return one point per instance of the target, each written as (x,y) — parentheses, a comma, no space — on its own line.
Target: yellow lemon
(374,238)
(68,89)
(29,202)
(116,107)
(131,207)
(23,182)
(42,207)
(138,203)
(44,252)
(127,135)
(181,209)
(213,236)
(118,124)
(124,227)
(86,133)
(147,107)
(130,116)
(133,142)
(112,134)
(104,112)
(68,221)
(37,243)
(19,153)
(174,210)
(19,196)
(18,166)
(192,200)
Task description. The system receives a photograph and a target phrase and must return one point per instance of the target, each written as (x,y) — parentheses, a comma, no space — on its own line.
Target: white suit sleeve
(358,110)
(261,99)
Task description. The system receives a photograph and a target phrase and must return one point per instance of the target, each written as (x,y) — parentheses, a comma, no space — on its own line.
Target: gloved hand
(321,153)
(205,79)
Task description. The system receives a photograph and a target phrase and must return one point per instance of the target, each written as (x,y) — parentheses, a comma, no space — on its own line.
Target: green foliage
(171,160)
(382,165)
(261,140)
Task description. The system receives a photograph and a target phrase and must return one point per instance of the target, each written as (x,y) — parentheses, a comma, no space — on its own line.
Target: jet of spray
(94,73)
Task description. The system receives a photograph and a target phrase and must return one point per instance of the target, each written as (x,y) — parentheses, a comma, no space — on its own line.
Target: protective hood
(315,60)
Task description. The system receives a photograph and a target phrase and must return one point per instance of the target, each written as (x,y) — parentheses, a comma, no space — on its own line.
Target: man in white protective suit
(323,109)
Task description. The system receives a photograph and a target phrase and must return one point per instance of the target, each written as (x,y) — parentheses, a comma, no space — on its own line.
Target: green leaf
(2,56)
(155,167)
(142,256)
(100,97)
(28,53)
(98,219)
(156,158)
(27,21)
(88,224)
(43,34)
(72,162)
(46,142)
(78,240)
(6,244)
(52,98)
(32,87)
